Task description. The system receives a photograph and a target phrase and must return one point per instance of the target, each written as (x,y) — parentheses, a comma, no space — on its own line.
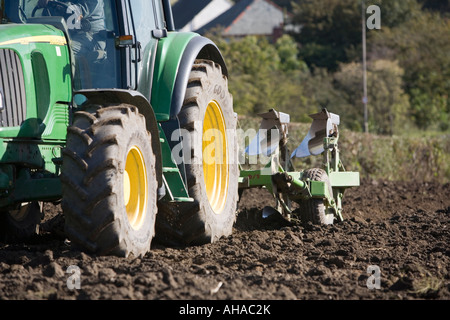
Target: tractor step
(172,176)
(183,199)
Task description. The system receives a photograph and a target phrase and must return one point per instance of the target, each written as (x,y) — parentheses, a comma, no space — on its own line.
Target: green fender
(174,59)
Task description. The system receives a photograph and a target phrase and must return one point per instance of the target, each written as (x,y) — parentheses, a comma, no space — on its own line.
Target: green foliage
(397,157)
(287,50)
(331,31)
(266,75)
(408,66)
(442,6)
(253,63)
(394,13)
(388,104)
(421,46)
(430,111)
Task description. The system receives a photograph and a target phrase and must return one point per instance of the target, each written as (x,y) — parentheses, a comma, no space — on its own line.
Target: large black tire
(314,210)
(212,183)
(22,222)
(109,181)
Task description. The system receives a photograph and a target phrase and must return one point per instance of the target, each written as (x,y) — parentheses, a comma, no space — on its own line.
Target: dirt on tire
(401,228)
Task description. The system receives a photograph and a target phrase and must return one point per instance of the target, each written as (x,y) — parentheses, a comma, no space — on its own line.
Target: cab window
(91,27)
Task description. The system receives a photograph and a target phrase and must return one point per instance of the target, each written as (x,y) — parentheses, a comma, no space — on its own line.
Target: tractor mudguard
(175,56)
(138,100)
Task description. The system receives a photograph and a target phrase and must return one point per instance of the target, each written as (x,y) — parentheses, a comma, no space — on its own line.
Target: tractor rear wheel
(21,222)
(314,210)
(109,181)
(210,163)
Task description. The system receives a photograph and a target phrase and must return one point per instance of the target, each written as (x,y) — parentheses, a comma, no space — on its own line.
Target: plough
(318,191)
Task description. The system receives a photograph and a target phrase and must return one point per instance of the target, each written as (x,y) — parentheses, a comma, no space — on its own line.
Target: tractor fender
(175,56)
(138,100)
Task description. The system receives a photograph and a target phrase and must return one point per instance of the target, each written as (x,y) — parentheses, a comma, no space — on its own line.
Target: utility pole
(364,100)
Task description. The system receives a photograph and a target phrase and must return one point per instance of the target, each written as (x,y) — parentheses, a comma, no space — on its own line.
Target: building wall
(260,18)
(210,12)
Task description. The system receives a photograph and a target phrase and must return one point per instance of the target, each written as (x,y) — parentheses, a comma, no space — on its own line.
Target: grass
(427,286)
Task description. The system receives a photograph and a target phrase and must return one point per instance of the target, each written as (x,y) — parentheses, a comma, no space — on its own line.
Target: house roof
(185,10)
(248,17)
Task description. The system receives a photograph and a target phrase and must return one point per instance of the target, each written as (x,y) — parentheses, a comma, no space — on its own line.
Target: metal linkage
(280,178)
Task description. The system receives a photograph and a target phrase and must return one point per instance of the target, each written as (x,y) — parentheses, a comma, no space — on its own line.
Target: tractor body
(129,125)
(50,76)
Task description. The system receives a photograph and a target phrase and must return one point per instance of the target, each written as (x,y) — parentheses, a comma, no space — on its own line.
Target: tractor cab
(112,42)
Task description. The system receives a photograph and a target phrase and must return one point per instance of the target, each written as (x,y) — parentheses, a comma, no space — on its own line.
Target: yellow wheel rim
(215,157)
(135,187)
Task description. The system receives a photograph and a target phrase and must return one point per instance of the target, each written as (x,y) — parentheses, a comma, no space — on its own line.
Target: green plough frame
(288,186)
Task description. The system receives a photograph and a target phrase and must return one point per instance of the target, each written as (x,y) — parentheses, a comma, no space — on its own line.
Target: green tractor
(104,107)
(129,124)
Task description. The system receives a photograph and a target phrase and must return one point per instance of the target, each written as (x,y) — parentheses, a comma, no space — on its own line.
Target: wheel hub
(215,156)
(135,188)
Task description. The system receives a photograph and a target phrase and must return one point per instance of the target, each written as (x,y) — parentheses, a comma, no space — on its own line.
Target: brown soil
(403,228)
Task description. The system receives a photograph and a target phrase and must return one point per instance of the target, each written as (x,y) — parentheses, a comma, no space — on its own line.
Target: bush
(388,104)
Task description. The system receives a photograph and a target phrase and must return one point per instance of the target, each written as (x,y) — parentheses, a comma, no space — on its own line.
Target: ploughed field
(393,244)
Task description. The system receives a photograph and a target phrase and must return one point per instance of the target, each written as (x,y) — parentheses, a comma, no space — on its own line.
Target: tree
(330,32)
(388,104)
(287,50)
(265,75)
(394,13)
(442,6)
(421,46)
